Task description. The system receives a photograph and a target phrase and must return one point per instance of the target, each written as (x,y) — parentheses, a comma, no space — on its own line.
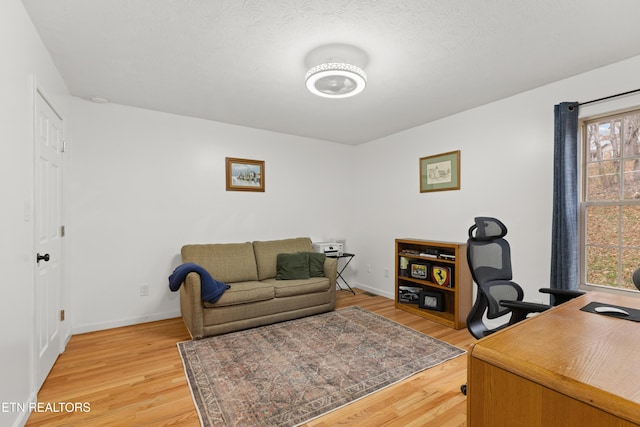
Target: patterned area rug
(288,373)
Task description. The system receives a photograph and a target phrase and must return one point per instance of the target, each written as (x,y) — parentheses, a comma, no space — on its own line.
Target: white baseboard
(376,291)
(81,329)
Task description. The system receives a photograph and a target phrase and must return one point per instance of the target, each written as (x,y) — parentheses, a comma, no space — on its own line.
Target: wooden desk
(564,367)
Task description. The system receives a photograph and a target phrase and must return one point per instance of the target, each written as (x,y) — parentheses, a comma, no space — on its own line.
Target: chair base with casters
(498,297)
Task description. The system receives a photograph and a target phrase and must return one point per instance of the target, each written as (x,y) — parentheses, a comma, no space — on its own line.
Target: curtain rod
(609,97)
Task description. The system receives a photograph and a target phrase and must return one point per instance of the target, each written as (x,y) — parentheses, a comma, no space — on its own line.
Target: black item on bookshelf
(430,252)
(409,294)
(431,300)
(419,270)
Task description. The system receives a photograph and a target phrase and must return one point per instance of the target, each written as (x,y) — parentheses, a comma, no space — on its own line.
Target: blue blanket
(211,289)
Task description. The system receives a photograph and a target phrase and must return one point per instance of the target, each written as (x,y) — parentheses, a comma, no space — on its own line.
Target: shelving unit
(432,280)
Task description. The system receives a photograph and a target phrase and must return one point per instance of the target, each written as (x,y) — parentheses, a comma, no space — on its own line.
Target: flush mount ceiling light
(336,80)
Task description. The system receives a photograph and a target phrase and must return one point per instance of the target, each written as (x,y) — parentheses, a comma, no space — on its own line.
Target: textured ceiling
(243,62)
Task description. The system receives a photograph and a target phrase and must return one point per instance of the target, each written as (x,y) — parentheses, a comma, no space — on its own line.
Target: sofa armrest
(191,306)
(331,270)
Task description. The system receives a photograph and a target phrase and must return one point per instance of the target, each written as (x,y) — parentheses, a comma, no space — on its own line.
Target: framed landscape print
(245,174)
(440,172)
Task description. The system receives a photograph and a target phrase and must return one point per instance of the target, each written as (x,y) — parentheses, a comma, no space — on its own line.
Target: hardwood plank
(134,376)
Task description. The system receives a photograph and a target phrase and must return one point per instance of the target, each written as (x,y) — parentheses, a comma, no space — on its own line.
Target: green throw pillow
(292,266)
(316,264)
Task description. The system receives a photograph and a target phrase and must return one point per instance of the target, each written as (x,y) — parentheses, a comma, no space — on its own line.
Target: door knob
(44,257)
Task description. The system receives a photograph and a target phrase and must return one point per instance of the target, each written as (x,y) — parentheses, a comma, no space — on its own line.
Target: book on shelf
(410,252)
(428,255)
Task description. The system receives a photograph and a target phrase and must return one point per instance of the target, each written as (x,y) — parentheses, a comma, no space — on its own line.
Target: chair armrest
(561,296)
(529,307)
(521,309)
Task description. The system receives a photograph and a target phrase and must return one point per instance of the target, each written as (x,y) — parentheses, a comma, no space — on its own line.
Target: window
(611,200)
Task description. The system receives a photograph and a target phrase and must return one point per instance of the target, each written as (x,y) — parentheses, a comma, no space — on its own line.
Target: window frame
(589,113)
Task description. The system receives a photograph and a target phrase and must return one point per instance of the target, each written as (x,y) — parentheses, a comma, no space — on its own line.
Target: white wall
(23,58)
(506,172)
(141,184)
(145,183)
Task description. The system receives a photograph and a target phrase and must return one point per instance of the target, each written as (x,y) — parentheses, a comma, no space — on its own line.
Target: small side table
(341,270)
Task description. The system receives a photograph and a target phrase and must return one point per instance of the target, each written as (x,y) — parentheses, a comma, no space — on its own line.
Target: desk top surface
(592,357)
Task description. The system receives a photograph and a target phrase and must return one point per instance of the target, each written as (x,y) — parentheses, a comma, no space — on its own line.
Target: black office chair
(489,259)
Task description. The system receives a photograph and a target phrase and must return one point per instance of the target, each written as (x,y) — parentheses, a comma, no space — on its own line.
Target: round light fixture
(336,80)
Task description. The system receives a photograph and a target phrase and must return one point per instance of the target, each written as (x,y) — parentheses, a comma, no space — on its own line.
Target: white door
(48,230)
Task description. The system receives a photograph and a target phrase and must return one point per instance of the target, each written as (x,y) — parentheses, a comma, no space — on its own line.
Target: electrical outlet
(368,268)
(144,290)
(386,272)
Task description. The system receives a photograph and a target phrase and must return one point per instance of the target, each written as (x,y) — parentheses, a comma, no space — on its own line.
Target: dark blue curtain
(564,234)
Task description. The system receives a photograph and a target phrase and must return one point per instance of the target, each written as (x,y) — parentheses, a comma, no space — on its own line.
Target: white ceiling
(243,62)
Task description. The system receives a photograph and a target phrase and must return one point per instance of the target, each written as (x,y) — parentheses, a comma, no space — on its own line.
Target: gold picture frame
(440,172)
(244,174)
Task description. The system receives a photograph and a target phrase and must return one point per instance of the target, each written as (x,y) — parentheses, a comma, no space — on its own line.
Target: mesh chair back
(488,253)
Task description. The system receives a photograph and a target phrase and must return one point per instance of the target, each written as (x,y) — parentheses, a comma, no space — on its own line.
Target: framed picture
(245,174)
(440,172)
(419,270)
(409,294)
(431,300)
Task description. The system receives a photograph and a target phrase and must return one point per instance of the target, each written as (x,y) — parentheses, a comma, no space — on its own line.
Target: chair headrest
(487,228)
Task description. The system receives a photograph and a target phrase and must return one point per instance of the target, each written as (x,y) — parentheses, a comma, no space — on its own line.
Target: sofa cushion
(245,292)
(316,264)
(289,288)
(266,253)
(292,266)
(226,262)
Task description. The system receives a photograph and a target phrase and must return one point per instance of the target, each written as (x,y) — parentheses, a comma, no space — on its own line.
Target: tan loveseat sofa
(256,296)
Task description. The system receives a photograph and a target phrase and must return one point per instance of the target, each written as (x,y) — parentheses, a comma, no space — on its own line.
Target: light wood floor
(133,376)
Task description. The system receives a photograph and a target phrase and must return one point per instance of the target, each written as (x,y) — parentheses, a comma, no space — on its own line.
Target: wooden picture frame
(440,172)
(244,174)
